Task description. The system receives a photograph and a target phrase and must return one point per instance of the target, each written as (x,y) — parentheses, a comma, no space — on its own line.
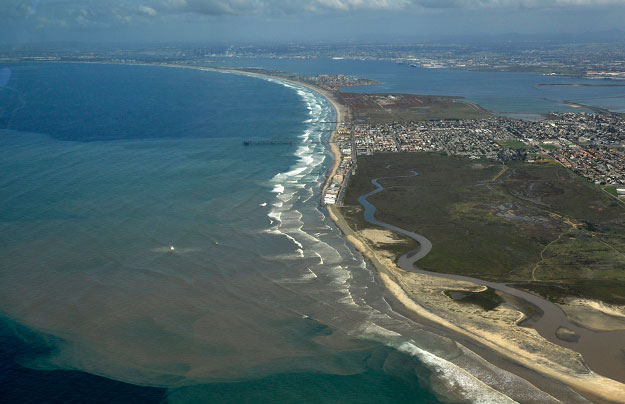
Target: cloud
(85,13)
(216,7)
(149,11)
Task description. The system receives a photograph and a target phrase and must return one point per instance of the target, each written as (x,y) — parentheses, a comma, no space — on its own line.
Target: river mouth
(602,351)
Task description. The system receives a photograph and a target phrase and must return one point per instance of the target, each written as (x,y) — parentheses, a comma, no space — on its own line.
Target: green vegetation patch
(548,146)
(515,144)
(611,190)
(583,254)
(487,299)
(536,222)
(609,291)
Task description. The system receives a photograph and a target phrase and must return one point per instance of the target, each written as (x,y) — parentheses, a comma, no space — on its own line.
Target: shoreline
(493,112)
(590,383)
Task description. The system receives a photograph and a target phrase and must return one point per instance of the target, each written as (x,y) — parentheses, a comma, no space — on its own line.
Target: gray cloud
(85,13)
(149,11)
(291,6)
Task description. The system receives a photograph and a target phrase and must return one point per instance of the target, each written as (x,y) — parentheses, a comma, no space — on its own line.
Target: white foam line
(453,376)
(312,273)
(297,243)
(275,216)
(320,257)
(457,378)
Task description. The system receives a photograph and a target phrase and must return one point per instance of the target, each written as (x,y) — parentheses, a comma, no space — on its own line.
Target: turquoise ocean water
(149,256)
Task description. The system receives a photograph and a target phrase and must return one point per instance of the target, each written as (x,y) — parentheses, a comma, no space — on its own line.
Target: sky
(25,21)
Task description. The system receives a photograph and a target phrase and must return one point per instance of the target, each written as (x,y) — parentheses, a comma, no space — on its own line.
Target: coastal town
(333,194)
(590,144)
(334,82)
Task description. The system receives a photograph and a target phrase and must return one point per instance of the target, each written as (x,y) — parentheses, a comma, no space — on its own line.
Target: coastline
(394,280)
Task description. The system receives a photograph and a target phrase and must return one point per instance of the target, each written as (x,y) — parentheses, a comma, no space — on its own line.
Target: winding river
(602,350)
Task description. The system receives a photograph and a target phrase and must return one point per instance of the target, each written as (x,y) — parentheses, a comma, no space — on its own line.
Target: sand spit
(595,315)
(381,237)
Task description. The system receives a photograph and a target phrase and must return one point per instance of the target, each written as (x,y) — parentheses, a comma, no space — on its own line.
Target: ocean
(149,256)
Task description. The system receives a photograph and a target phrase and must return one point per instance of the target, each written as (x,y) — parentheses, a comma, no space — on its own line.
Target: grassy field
(611,190)
(548,146)
(515,144)
(386,108)
(538,224)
